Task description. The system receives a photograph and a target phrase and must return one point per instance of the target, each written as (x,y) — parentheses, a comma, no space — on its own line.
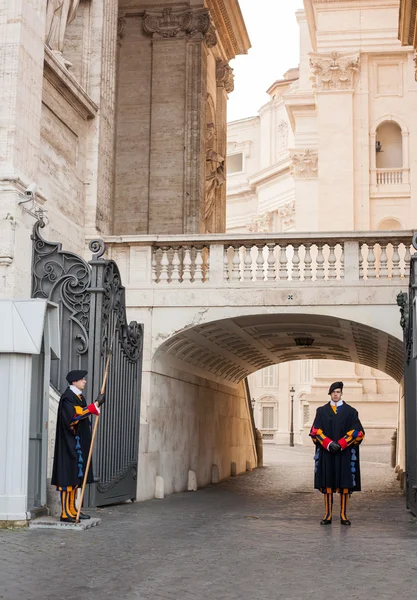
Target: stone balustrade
(265,259)
(389,176)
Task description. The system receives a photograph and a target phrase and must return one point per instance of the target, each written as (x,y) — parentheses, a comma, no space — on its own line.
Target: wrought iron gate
(409,324)
(92,305)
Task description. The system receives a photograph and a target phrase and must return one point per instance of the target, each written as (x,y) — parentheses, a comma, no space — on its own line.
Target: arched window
(390,225)
(389,146)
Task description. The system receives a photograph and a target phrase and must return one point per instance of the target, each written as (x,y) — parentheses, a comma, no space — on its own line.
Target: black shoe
(325,522)
(345,522)
(67,520)
(83,516)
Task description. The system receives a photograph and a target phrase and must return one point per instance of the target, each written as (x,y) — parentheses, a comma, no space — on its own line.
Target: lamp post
(292,392)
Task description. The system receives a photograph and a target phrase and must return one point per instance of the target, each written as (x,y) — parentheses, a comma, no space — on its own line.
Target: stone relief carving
(333,71)
(286,213)
(211,37)
(261,223)
(170,22)
(282,136)
(304,163)
(224,76)
(121,22)
(215,174)
(59,14)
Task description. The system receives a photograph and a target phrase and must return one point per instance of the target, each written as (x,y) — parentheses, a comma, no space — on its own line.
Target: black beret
(75,376)
(336,386)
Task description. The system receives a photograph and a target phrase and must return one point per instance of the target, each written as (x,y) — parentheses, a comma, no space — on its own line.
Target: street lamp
(292,392)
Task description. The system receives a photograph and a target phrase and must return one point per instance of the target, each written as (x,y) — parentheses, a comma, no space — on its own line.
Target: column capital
(304,163)
(174,23)
(224,76)
(333,71)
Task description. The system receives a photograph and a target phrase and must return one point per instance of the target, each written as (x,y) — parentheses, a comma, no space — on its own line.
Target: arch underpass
(198,414)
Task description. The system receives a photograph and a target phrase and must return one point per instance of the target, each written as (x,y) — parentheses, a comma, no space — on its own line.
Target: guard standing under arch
(337,433)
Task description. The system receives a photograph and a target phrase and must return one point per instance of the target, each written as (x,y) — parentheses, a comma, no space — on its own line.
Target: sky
(274,34)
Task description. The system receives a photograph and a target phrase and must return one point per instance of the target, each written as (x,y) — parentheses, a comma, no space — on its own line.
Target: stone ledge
(62,80)
(54,523)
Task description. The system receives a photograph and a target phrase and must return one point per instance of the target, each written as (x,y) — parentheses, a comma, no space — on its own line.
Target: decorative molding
(230,27)
(62,80)
(224,76)
(261,223)
(415,64)
(121,22)
(211,37)
(334,71)
(171,23)
(286,213)
(236,147)
(304,163)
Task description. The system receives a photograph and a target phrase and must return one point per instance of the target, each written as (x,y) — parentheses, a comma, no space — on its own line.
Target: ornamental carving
(172,23)
(286,213)
(261,223)
(211,37)
(333,71)
(304,163)
(224,76)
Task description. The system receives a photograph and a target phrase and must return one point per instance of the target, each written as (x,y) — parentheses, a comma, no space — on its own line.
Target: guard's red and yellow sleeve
(82,413)
(354,436)
(317,435)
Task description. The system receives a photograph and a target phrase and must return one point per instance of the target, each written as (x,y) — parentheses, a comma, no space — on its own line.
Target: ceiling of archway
(231,349)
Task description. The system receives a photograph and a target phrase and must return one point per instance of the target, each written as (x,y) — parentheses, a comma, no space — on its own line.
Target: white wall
(192,424)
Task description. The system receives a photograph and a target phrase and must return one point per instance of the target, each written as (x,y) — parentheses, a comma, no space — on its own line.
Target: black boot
(345,522)
(325,522)
(67,519)
(84,517)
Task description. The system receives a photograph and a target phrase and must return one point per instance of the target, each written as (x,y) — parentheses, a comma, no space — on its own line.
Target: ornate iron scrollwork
(93,309)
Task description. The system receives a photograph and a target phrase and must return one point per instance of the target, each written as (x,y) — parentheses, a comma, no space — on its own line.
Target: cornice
(230,27)
(66,85)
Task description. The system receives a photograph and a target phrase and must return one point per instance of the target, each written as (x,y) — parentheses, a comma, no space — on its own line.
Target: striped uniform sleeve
(82,413)
(317,435)
(354,436)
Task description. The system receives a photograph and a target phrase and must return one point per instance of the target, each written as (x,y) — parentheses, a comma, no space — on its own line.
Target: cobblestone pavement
(254,537)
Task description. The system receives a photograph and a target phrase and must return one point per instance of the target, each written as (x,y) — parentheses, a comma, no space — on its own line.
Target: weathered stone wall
(191,423)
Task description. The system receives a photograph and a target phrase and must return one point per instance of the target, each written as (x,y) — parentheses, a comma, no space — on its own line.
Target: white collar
(336,403)
(76,391)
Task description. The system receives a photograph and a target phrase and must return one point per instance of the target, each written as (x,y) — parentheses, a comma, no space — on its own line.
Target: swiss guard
(72,443)
(337,433)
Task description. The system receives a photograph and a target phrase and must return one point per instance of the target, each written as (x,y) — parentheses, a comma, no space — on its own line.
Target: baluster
(296,263)
(361,262)
(247,271)
(198,271)
(226,263)
(186,275)
(308,271)
(320,262)
(164,265)
(371,261)
(270,273)
(407,260)
(383,262)
(283,272)
(396,271)
(332,263)
(342,261)
(260,276)
(154,265)
(236,264)
(175,276)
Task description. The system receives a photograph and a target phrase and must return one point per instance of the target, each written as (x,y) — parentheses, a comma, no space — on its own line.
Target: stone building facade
(338,126)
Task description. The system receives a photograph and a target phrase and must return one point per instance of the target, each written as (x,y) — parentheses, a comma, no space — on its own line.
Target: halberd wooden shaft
(93,437)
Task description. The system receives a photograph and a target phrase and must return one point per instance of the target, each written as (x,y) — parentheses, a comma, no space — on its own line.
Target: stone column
(102,89)
(333,78)
(304,168)
(178,84)
(22,31)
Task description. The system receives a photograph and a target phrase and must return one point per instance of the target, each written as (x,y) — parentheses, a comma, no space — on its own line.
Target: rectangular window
(269,376)
(234,163)
(267,417)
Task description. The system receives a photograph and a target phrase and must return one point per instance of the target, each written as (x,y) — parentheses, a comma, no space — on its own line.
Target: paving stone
(254,537)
